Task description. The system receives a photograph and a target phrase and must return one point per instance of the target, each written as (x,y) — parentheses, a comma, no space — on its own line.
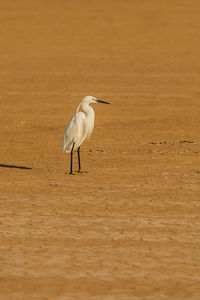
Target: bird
(79,128)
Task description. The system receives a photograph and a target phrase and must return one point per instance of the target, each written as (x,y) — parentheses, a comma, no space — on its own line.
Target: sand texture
(129,226)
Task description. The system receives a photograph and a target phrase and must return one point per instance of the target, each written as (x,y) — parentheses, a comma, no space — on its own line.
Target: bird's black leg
(79,161)
(71,158)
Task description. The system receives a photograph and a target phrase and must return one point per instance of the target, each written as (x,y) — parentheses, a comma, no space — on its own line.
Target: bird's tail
(63,145)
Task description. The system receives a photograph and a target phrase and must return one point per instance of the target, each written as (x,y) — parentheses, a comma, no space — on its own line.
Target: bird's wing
(74,132)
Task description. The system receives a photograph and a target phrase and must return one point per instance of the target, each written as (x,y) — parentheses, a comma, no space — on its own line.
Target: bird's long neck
(88,110)
(89,120)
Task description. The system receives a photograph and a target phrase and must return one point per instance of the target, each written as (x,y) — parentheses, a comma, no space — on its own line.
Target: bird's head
(91,99)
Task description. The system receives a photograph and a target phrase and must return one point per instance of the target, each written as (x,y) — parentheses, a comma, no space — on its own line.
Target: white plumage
(80,127)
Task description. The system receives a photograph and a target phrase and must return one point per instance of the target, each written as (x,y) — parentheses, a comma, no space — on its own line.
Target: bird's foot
(70,173)
(81,171)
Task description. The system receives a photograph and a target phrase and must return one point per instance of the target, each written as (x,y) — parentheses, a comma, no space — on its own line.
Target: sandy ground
(129,227)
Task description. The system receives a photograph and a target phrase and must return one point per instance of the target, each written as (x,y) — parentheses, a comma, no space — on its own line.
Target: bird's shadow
(15,167)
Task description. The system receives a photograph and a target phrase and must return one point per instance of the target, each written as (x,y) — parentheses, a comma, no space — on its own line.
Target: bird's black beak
(101,101)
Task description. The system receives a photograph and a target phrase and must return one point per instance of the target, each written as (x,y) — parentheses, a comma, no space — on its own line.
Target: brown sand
(130,227)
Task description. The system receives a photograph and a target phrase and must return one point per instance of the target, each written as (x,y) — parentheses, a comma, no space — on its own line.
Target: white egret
(79,127)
